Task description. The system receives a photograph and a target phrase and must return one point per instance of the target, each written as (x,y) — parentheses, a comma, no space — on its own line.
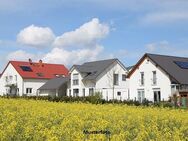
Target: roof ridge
(166,55)
(101,60)
(36,62)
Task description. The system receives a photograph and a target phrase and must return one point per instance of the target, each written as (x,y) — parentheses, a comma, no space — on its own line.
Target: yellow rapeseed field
(41,120)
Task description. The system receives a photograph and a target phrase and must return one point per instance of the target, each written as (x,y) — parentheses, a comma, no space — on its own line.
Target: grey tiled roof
(129,68)
(167,63)
(93,69)
(54,83)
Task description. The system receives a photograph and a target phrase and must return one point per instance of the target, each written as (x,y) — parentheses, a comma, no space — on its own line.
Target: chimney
(40,63)
(30,61)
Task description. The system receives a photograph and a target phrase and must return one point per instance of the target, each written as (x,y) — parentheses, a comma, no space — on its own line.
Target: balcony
(9,81)
(176,89)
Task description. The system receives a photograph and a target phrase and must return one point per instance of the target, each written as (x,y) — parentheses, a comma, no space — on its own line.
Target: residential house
(56,87)
(105,76)
(158,77)
(24,78)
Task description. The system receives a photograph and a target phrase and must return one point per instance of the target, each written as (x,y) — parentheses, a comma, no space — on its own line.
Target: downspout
(22,87)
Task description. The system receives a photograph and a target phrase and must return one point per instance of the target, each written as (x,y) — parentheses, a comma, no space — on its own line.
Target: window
(6,78)
(141,95)
(15,77)
(75,82)
(10,77)
(69,92)
(157,95)
(154,78)
(83,91)
(26,68)
(75,92)
(91,91)
(75,79)
(28,90)
(116,79)
(123,77)
(142,78)
(118,93)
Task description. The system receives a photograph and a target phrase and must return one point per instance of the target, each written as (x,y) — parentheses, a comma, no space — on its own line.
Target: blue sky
(75,31)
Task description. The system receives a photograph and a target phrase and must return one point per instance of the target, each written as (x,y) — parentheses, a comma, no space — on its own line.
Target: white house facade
(156,78)
(106,76)
(150,82)
(24,78)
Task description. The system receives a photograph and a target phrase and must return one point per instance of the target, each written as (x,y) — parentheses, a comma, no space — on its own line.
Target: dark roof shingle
(167,63)
(94,69)
(55,83)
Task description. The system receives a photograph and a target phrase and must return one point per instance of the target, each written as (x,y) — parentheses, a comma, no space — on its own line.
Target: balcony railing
(179,89)
(10,83)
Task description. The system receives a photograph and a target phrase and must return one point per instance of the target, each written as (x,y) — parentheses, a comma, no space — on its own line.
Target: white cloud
(166,48)
(86,35)
(21,55)
(165,17)
(157,46)
(83,44)
(59,55)
(36,36)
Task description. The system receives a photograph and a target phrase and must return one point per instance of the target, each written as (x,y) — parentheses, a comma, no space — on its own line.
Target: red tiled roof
(39,70)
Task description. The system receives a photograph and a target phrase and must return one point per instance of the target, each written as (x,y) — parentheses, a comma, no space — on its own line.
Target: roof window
(26,68)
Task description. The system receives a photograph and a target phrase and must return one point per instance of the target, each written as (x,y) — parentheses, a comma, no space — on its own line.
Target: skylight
(183,65)
(26,68)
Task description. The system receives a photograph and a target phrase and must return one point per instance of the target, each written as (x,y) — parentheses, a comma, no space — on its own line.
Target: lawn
(42,120)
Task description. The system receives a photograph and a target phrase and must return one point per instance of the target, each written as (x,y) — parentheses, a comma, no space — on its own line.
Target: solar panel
(25,68)
(183,65)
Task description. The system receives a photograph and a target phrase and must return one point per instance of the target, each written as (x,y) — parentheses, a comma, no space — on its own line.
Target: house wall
(163,81)
(34,84)
(47,93)
(81,85)
(10,71)
(104,83)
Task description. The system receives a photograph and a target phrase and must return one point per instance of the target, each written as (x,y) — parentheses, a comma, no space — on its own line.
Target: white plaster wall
(11,71)
(163,81)
(34,84)
(104,83)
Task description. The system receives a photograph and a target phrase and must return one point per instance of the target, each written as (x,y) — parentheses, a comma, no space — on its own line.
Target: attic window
(40,74)
(26,68)
(183,65)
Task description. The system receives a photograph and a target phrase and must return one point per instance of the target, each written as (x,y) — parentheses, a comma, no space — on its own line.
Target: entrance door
(157,95)
(75,92)
(141,95)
